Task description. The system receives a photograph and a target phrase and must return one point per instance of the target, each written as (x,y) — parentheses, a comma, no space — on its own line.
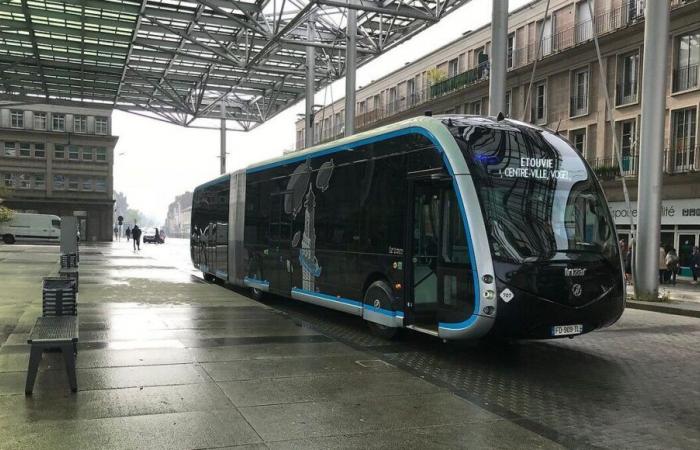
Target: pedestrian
(116,232)
(628,263)
(671,266)
(136,235)
(695,264)
(128,233)
(662,265)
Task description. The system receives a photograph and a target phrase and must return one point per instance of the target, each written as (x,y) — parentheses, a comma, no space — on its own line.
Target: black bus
(456,226)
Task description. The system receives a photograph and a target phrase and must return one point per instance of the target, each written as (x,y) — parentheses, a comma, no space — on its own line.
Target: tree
(436,75)
(5,212)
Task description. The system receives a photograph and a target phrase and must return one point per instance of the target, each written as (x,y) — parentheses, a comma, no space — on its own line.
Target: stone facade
(58,159)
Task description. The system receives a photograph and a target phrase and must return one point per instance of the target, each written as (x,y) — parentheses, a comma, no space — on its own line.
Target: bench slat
(54,329)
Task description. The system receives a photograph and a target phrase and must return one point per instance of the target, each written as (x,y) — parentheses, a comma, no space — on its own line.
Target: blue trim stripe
(249,280)
(328,298)
(382,137)
(386,312)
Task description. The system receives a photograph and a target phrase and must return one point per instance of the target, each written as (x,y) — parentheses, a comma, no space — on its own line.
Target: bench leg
(34,360)
(69,358)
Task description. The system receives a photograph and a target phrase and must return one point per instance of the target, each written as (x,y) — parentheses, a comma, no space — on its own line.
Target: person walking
(128,233)
(136,235)
(695,264)
(662,265)
(116,232)
(628,263)
(671,266)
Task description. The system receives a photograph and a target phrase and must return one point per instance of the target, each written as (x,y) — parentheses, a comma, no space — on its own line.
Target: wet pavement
(169,361)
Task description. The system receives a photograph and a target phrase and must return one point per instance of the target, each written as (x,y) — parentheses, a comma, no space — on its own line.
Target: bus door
(277,263)
(439,275)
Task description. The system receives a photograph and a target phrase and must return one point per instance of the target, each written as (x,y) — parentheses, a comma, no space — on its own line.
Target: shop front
(680,226)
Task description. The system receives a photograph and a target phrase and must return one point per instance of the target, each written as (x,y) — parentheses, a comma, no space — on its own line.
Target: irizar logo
(574,272)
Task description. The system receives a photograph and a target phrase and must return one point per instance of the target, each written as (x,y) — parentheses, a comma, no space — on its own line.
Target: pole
(653,93)
(498,57)
(222,149)
(350,70)
(310,86)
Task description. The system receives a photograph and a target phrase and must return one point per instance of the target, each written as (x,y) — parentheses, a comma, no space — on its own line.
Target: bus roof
(430,123)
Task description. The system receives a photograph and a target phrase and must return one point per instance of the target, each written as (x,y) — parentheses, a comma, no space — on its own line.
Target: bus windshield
(538,197)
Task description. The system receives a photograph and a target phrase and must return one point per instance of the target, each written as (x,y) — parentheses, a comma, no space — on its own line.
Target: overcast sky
(155,161)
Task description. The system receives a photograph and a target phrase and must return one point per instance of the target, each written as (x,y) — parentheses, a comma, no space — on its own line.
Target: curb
(664,308)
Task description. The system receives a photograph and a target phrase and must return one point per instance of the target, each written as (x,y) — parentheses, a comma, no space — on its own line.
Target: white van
(31,227)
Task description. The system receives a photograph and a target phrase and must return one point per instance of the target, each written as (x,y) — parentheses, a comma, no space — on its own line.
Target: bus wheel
(379,294)
(8,239)
(209,277)
(257,293)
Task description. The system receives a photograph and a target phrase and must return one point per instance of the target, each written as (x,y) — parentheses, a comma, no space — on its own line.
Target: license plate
(566,330)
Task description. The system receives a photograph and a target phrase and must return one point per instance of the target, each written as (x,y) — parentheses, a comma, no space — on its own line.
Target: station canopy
(178,60)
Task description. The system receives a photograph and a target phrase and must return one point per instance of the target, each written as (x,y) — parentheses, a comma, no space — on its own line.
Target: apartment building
(58,159)
(567,94)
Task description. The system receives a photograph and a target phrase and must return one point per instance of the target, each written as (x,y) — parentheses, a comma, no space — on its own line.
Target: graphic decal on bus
(300,193)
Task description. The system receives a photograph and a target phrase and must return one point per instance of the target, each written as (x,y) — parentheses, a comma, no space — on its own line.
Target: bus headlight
(488,279)
(489,294)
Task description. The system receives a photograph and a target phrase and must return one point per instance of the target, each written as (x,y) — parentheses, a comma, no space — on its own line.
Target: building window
(10,149)
(628,145)
(578,138)
(25,149)
(73,183)
(87,184)
(39,120)
(511,47)
(59,151)
(80,124)
(509,102)
(475,108)
(39,181)
(627,76)
(59,182)
(101,125)
(547,35)
(683,140)
(100,185)
(39,150)
(87,153)
(452,67)
(17,119)
(9,180)
(579,93)
(685,75)
(584,25)
(73,152)
(539,110)
(24,182)
(58,122)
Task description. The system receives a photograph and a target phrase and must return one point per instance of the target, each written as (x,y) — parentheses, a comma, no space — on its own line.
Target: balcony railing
(471,76)
(682,159)
(578,106)
(626,94)
(685,78)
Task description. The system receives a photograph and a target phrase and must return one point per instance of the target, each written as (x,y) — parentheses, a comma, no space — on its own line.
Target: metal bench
(49,333)
(71,273)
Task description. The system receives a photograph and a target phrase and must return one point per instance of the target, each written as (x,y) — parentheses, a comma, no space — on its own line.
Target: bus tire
(257,293)
(209,277)
(8,239)
(379,291)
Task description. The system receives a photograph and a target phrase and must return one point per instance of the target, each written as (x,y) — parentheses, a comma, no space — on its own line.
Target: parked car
(153,236)
(31,227)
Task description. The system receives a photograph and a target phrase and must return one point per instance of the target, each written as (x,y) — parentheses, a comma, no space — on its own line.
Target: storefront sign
(673,212)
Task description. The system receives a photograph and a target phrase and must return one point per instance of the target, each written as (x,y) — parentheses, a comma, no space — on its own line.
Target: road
(635,384)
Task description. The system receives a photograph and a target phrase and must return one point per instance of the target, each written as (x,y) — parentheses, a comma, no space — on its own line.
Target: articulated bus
(455,226)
